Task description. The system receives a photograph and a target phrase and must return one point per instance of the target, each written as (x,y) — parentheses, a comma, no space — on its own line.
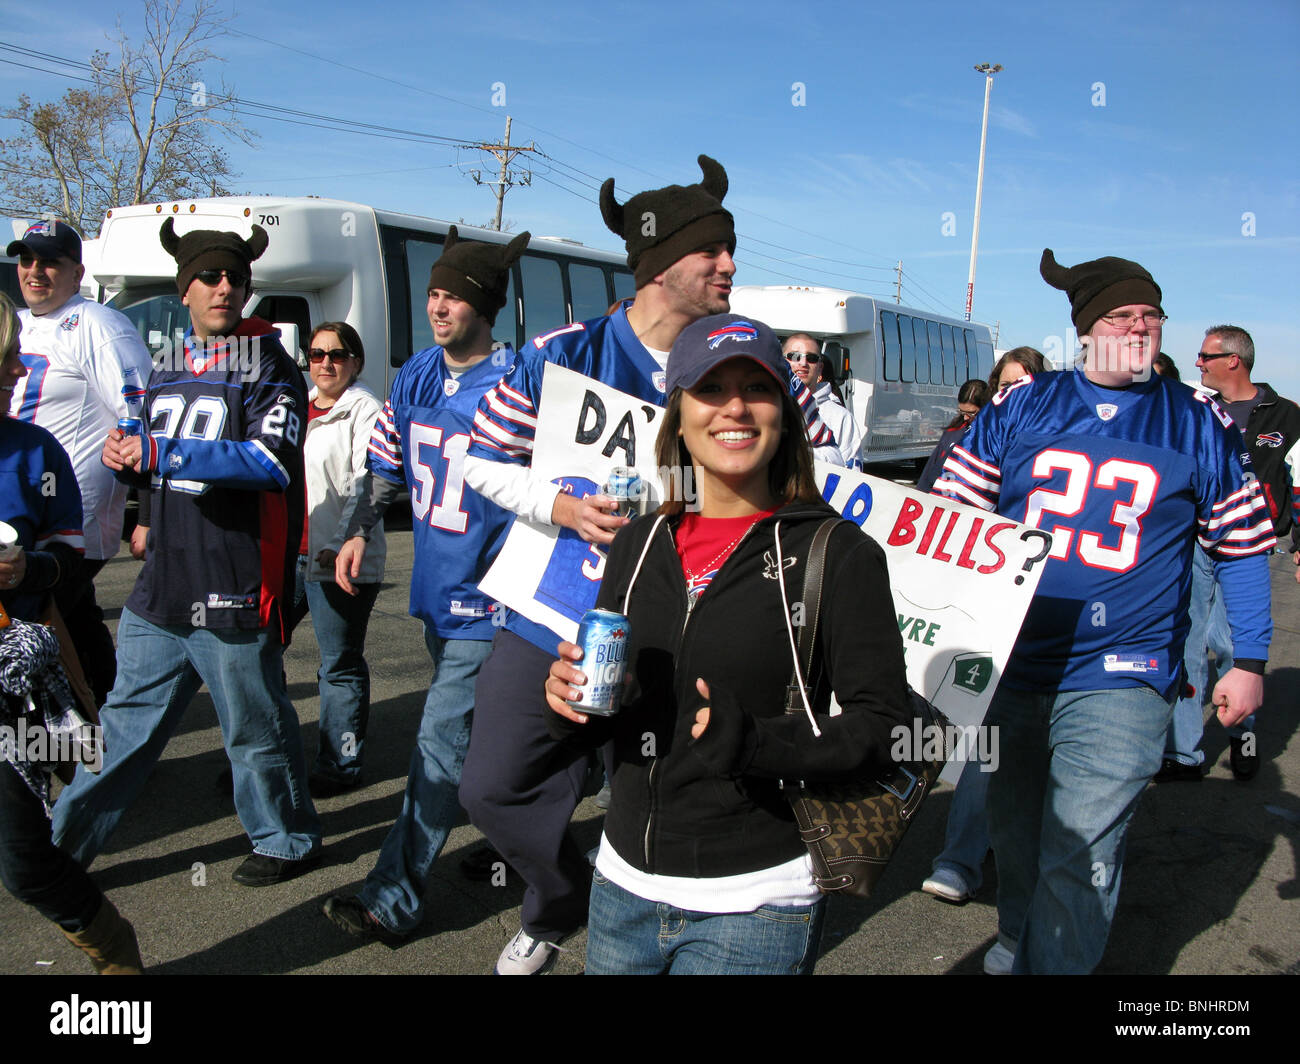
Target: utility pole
(898,287)
(988,72)
(505,153)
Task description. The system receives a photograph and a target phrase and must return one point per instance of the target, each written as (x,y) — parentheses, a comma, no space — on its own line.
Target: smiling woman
(341,413)
(698,822)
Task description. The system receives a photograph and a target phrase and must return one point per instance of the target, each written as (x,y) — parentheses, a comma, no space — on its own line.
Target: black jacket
(1273,439)
(713,807)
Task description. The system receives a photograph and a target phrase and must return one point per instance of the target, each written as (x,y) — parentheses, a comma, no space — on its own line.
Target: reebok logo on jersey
(1129,663)
(1106,411)
(69,323)
(231,602)
(1269,439)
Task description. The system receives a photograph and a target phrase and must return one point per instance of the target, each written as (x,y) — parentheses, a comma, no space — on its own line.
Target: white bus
(898,367)
(329,260)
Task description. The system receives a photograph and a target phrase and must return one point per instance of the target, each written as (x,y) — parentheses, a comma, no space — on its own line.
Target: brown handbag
(852,829)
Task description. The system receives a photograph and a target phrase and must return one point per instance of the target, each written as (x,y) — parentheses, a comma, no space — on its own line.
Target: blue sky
(1162,132)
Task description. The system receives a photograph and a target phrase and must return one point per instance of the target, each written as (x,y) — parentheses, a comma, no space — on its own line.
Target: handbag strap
(813,576)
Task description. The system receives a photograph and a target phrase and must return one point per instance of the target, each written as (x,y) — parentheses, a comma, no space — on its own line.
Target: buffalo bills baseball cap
(711,341)
(48,240)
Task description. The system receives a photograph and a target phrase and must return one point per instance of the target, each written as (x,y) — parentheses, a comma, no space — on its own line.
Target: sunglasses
(1210,356)
(802,356)
(212,278)
(316,356)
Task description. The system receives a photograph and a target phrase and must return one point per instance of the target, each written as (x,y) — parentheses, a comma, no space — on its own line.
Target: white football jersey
(78,358)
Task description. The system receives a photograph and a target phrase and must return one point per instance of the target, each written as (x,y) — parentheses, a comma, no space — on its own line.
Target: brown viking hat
(478,273)
(1098,287)
(664,225)
(208,249)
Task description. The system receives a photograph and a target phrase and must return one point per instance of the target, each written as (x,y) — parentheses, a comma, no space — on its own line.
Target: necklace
(693,575)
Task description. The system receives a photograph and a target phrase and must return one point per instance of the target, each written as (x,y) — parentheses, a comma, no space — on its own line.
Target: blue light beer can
(602,634)
(131,426)
(625,487)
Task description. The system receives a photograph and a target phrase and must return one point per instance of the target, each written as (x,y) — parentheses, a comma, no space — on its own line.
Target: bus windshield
(155,310)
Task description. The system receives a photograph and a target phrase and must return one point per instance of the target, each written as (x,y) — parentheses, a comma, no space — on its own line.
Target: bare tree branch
(146,129)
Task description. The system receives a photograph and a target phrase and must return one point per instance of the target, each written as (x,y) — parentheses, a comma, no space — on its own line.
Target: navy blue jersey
(1126,480)
(224,452)
(420,439)
(605,349)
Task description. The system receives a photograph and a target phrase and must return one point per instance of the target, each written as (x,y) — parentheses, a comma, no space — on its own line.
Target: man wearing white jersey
(79,356)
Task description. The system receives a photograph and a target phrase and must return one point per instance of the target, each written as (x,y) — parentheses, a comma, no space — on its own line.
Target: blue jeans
(627,935)
(340,621)
(159,670)
(1209,631)
(394,890)
(32,869)
(1073,766)
(966,842)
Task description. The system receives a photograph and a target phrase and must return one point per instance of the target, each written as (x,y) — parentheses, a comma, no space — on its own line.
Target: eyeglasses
(1128,319)
(212,278)
(1210,356)
(966,415)
(316,356)
(802,356)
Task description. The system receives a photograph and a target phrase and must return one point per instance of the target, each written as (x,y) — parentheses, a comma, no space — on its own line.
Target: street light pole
(988,72)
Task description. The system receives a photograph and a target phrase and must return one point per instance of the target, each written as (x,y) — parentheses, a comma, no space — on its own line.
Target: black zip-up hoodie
(713,806)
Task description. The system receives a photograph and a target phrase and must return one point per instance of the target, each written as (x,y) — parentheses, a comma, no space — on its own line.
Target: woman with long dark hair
(698,825)
(970,398)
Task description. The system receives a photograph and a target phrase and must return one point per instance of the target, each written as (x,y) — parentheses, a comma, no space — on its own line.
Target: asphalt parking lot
(1211,884)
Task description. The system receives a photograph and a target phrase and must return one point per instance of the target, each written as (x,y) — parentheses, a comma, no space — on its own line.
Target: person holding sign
(519,789)
(699,832)
(419,442)
(1127,469)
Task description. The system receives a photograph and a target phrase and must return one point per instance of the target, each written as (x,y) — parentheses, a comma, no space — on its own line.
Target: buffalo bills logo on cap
(740,331)
(39,229)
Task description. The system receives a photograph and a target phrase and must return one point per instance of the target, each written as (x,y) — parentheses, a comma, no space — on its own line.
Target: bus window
(588,296)
(293,309)
(506,328)
(156,312)
(420,257)
(936,352)
(889,352)
(985,349)
(907,338)
(971,358)
(624,285)
(949,356)
(544,307)
(922,352)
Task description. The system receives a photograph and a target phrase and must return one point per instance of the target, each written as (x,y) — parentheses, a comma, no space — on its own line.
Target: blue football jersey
(1126,480)
(420,439)
(605,349)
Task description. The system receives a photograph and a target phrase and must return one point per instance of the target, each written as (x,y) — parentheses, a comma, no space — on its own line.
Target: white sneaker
(524,955)
(998,960)
(949,885)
